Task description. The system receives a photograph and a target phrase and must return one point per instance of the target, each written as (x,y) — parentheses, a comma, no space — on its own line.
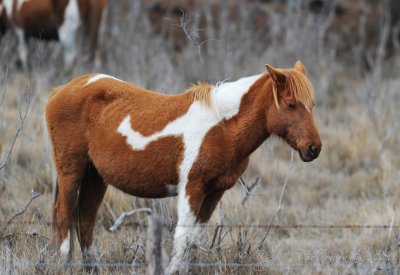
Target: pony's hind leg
(91,195)
(69,176)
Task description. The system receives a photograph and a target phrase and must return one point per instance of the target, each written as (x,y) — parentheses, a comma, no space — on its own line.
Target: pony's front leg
(187,231)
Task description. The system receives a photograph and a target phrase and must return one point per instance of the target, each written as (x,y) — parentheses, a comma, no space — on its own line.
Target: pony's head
(290,117)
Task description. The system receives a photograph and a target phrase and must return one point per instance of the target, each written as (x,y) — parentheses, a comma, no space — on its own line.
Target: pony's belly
(149,190)
(149,173)
(158,182)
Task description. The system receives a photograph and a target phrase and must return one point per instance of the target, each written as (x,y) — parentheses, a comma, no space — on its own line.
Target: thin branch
(19,213)
(194,38)
(388,136)
(249,188)
(383,39)
(22,117)
(279,204)
(4,87)
(214,238)
(121,219)
(389,233)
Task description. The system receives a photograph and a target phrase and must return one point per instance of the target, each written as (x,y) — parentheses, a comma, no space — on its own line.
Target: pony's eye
(290,106)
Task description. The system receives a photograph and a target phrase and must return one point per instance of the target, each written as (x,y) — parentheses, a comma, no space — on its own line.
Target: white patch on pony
(8,7)
(228,95)
(67,31)
(101,76)
(64,248)
(192,127)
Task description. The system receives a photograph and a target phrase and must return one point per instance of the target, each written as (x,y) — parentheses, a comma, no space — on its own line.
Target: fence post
(9,258)
(153,246)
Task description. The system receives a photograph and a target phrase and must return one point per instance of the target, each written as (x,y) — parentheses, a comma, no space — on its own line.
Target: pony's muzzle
(310,153)
(313,150)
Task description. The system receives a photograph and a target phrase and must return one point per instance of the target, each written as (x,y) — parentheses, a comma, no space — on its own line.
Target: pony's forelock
(300,88)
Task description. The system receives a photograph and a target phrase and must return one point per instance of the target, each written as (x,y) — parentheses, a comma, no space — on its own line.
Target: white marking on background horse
(67,31)
(192,126)
(22,46)
(8,7)
(100,76)
(20,3)
(64,248)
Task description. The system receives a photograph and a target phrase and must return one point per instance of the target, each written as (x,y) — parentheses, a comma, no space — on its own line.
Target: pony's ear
(298,66)
(277,75)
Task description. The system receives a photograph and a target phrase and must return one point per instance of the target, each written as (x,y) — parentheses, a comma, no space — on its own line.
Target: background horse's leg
(22,47)
(67,33)
(91,195)
(186,231)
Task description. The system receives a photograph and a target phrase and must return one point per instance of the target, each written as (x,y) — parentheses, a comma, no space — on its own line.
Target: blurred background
(338,213)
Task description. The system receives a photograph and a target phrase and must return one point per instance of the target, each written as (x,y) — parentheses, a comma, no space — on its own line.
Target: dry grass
(353,182)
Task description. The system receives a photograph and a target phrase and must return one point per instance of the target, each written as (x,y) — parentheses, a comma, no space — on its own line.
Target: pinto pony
(194,145)
(52,19)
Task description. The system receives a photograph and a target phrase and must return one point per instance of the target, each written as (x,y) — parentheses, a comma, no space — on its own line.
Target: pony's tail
(50,167)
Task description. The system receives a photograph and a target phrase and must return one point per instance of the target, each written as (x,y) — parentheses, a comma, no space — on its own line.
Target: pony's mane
(300,87)
(201,92)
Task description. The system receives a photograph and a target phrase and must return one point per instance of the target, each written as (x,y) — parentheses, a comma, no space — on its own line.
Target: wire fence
(320,263)
(202,265)
(210,225)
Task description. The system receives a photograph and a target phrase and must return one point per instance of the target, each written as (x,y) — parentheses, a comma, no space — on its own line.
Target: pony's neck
(245,101)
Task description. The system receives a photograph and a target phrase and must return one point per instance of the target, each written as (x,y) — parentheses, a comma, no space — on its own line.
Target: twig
(22,117)
(217,229)
(121,219)
(22,114)
(388,136)
(387,248)
(279,204)
(249,188)
(4,87)
(194,38)
(34,196)
(387,242)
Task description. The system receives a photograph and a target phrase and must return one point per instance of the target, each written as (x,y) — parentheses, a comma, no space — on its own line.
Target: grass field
(339,213)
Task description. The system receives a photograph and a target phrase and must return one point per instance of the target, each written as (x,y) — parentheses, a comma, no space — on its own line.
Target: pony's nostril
(311,149)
